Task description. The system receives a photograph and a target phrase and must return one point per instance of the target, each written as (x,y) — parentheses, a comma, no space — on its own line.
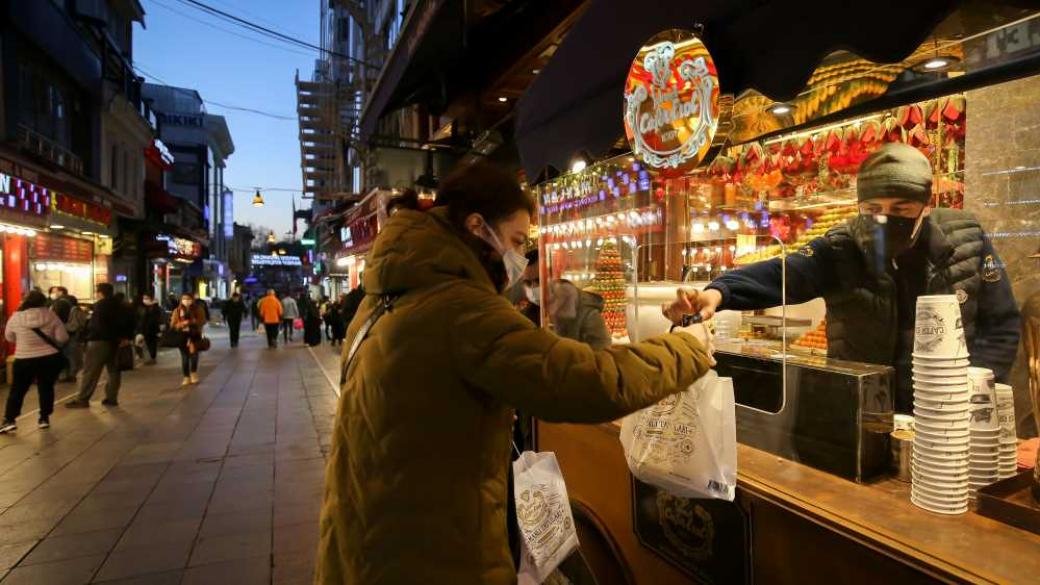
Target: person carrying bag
(39,336)
(687,443)
(189,319)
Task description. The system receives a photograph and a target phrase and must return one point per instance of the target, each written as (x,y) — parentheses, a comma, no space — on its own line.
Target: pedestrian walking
(352,302)
(254,313)
(67,309)
(290,313)
(110,327)
(311,320)
(451,349)
(38,335)
(149,324)
(190,319)
(325,306)
(339,325)
(234,310)
(270,310)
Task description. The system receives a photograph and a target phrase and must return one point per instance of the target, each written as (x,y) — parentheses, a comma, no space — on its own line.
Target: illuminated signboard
(229,214)
(275,260)
(674,115)
(345,236)
(180,247)
(21,195)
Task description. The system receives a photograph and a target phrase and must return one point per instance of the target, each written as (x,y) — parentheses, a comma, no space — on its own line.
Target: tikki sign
(675,116)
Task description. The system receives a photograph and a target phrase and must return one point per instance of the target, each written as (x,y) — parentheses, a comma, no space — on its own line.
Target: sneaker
(77,404)
(186,381)
(44,423)
(7,427)
(107,402)
(194,378)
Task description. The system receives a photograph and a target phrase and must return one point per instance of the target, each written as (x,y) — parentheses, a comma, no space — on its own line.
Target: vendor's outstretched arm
(760,285)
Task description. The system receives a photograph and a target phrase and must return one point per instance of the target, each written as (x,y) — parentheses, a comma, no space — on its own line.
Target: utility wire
(270,32)
(219,104)
(228,31)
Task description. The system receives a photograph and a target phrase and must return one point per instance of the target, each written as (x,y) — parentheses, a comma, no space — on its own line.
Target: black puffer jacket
(112,320)
(867,320)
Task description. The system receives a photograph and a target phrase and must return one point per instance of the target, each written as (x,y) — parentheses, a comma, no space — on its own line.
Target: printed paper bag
(543,513)
(687,443)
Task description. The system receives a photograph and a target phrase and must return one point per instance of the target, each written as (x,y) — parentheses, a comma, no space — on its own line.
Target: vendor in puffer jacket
(416,481)
(871,271)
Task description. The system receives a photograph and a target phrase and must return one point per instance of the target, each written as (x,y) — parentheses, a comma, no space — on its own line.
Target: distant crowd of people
(288,314)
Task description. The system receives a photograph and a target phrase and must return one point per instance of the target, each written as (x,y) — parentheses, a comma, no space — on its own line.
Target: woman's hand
(691,302)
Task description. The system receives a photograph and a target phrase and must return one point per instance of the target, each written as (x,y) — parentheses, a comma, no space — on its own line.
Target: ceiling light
(55,226)
(780,109)
(86,233)
(535,71)
(503,99)
(936,64)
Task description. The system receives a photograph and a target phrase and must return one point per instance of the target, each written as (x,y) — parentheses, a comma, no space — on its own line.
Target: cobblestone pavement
(215,483)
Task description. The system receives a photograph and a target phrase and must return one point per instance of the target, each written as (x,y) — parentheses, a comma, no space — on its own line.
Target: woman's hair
(34,300)
(187,294)
(483,188)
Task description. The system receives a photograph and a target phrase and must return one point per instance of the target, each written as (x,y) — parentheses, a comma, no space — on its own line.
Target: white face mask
(55,296)
(515,262)
(534,294)
(148,302)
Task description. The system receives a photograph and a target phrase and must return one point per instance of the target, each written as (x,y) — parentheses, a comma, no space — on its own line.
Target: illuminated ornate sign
(180,248)
(21,195)
(675,117)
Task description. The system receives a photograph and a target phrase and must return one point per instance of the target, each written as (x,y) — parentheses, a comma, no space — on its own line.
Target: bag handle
(47,338)
(385,306)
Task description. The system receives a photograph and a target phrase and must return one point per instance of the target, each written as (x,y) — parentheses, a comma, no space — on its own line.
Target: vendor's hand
(690,302)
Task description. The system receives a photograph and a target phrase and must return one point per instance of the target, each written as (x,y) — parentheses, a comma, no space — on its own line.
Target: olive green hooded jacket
(416,479)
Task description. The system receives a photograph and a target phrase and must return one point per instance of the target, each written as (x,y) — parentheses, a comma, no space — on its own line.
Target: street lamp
(270,238)
(258,199)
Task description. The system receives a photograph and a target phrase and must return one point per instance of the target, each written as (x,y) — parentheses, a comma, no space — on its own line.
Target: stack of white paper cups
(985,430)
(1008,454)
(941,407)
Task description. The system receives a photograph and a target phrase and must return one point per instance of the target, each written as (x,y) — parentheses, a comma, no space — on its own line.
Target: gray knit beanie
(895,170)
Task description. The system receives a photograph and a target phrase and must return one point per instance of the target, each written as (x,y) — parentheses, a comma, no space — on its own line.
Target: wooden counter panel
(871,530)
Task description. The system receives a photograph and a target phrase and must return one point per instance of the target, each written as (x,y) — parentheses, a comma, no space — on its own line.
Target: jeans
(73,351)
(100,355)
(44,371)
(233,328)
(152,342)
(287,329)
(189,362)
(272,334)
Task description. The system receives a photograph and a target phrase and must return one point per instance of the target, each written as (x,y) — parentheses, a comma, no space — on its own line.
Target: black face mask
(885,240)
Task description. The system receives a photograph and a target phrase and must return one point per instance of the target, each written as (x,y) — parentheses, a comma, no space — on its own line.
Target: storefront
(169,260)
(356,232)
(714,184)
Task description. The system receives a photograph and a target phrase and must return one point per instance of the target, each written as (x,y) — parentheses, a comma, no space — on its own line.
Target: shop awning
(575,103)
(414,56)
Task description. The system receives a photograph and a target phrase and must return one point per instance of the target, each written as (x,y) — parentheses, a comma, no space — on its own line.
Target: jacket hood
(37,317)
(417,250)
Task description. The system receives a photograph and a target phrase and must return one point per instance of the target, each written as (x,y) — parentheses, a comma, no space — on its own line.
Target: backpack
(77,320)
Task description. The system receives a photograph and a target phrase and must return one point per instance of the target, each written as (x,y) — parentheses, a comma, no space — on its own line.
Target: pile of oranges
(814,339)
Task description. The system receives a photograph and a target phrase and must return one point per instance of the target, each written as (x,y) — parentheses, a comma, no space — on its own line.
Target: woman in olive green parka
(416,480)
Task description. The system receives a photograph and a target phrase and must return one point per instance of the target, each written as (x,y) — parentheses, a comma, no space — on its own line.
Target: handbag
(202,344)
(173,338)
(125,357)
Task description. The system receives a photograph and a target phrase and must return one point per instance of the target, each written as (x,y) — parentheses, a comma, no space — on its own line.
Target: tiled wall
(1002,187)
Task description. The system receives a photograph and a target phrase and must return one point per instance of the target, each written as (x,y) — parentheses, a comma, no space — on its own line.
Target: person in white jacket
(38,335)
(290,313)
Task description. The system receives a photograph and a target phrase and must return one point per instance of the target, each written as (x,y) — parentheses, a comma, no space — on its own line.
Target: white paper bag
(543,513)
(687,443)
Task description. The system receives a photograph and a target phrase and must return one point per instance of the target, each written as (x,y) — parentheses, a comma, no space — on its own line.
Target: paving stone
(142,560)
(230,547)
(59,548)
(76,571)
(246,571)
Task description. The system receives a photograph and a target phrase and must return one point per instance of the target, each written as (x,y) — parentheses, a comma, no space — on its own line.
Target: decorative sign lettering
(21,195)
(84,210)
(54,247)
(190,120)
(276,260)
(180,248)
(675,117)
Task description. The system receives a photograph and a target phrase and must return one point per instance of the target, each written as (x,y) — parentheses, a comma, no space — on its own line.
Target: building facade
(200,144)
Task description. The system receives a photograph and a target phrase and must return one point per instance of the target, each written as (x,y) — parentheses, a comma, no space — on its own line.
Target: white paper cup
(946,444)
(937,501)
(938,330)
(940,415)
(941,394)
(921,360)
(983,400)
(939,435)
(923,401)
(928,507)
(942,477)
(949,466)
